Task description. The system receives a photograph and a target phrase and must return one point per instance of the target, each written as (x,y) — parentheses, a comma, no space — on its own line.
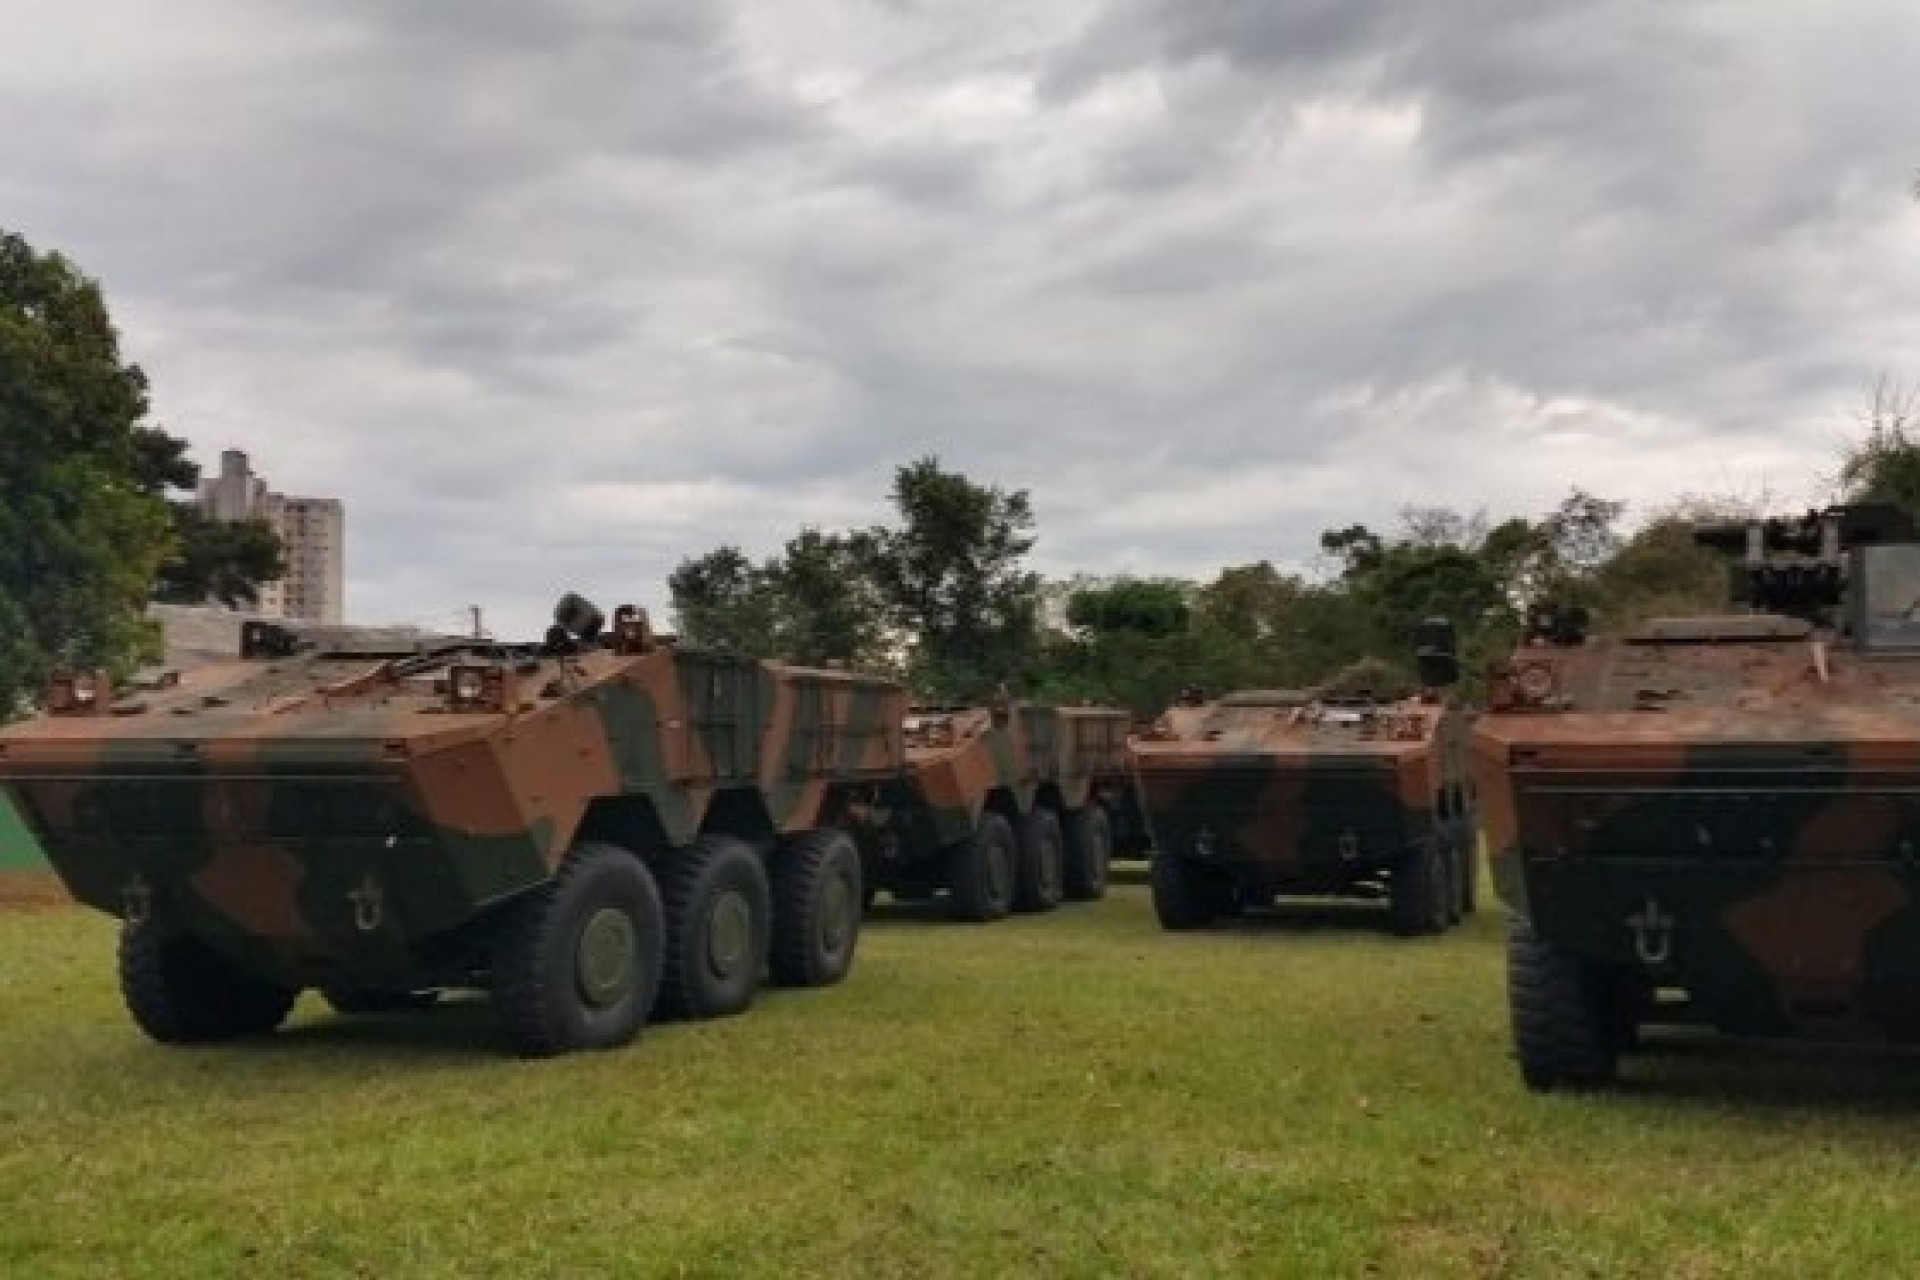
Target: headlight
(1534,681)
(474,688)
(76,693)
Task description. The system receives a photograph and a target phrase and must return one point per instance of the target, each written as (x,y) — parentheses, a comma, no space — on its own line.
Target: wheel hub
(606,957)
(836,912)
(729,933)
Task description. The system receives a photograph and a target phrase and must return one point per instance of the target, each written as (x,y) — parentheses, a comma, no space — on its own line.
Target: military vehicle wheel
(1564,1029)
(576,964)
(1419,889)
(719,925)
(1089,853)
(1043,862)
(181,991)
(356,1000)
(1187,895)
(816,909)
(981,870)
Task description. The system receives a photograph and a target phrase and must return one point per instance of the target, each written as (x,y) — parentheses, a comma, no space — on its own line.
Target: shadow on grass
(1776,1077)
(921,912)
(460,1031)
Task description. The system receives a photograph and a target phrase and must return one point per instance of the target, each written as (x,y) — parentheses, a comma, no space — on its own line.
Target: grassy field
(17,849)
(1077,1094)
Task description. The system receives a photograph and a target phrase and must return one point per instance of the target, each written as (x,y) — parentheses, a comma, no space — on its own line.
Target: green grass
(18,852)
(1077,1094)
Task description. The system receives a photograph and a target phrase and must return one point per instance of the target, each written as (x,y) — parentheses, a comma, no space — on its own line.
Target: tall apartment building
(313,531)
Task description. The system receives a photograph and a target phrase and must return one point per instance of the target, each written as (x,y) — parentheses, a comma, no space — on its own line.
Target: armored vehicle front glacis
(592,829)
(1332,793)
(1011,807)
(1716,819)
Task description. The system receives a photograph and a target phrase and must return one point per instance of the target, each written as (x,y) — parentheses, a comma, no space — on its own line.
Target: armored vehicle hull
(1716,819)
(1752,864)
(594,830)
(1010,808)
(1262,794)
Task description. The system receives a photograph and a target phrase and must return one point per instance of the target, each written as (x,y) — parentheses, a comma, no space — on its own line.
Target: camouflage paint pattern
(961,761)
(1291,793)
(337,814)
(1728,807)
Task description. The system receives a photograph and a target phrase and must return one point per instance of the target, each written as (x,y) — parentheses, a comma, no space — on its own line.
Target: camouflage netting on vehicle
(1369,679)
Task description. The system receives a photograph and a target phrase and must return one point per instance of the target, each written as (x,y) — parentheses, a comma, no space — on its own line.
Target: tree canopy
(87,535)
(83,528)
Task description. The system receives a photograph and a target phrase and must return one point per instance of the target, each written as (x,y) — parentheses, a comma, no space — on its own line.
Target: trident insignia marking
(368,904)
(1652,931)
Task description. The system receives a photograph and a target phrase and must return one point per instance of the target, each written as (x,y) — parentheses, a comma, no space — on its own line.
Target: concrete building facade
(313,531)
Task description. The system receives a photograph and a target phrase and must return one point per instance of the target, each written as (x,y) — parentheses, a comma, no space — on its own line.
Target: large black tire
(981,870)
(1187,895)
(358,1000)
(181,991)
(1089,853)
(576,963)
(817,898)
(719,927)
(1565,1030)
(1419,889)
(1043,862)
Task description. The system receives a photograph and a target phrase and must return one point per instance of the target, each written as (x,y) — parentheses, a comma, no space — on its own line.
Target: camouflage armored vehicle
(1344,791)
(1716,819)
(594,829)
(1009,807)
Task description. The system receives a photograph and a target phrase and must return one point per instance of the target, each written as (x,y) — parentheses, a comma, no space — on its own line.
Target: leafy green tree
(1155,608)
(83,529)
(1660,570)
(724,600)
(218,560)
(1884,465)
(828,608)
(1130,644)
(953,580)
(814,603)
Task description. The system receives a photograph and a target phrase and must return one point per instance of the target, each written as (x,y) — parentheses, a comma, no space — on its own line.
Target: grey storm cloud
(555,295)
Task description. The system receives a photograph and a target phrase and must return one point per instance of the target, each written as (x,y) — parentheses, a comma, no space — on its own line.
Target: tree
(723,599)
(1884,465)
(953,581)
(1661,571)
(1156,608)
(827,607)
(82,526)
(218,560)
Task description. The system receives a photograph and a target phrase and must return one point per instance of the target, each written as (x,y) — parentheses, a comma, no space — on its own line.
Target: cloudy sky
(556,294)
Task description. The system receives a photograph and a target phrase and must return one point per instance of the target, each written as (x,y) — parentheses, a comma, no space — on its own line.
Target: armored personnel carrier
(1012,806)
(594,829)
(1716,820)
(1344,791)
